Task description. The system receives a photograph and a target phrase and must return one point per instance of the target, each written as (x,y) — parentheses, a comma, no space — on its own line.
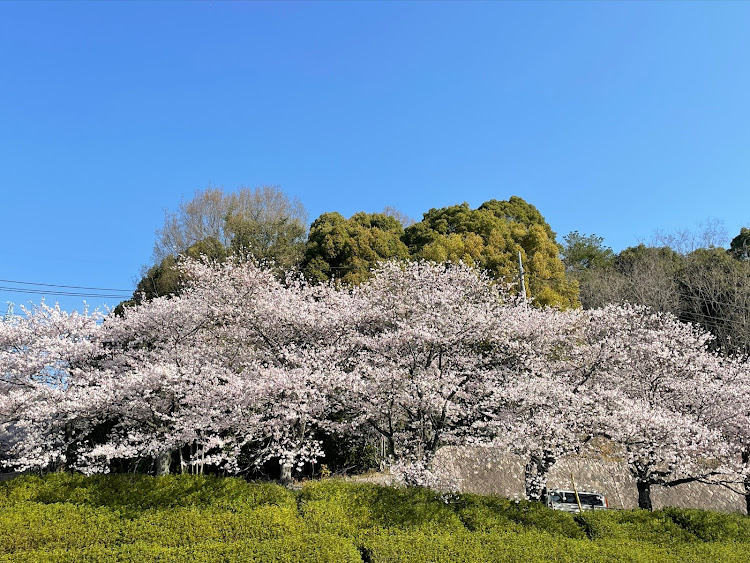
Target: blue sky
(612,118)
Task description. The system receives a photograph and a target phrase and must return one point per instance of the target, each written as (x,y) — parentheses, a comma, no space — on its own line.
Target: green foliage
(528,546)
(708,286)
(311,547)
(348,509)
(398,547)
(710,526)
(64,518)
(739,248)
(490,238)
(182,526)
(715,293)
(516,210)
(488,513)
(49,526)
(423,546)
(140,492)
(277,240)
(581,253)
(635,257)
(347,249)
(633,525)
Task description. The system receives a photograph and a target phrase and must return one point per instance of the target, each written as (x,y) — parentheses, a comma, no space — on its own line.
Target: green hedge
(313,548)
(35,526)
(490,513)
(349,509)
(71,518)
(710,526)
(414,546)
(187,526)
(132,493)
(634,525)
(537,547)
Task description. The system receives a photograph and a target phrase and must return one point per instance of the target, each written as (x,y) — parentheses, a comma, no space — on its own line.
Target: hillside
(71,518)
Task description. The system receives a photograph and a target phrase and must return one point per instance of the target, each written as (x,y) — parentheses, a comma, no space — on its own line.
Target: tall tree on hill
(490,238)
(640,275)
(739,248)
(584,253)
(708,285)
(714,292)
(262,224)
(347,249)
(267,221)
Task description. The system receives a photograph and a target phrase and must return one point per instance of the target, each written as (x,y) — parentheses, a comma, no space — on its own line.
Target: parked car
(566,500)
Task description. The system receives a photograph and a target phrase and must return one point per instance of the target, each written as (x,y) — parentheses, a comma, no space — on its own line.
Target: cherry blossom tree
(239,364)
(654,371)
(727,409)
(243,368)
(643,380)
(546,410)
(41,352)
(242,364)
(544,418)
(425,356)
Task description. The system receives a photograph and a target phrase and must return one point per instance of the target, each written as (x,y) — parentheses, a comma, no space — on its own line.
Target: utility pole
(521,279)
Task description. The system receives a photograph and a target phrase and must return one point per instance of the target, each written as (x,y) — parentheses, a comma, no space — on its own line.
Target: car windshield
(569,497)
(593,500)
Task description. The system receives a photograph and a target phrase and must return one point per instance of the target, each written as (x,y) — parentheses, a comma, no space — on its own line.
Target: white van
(566,500)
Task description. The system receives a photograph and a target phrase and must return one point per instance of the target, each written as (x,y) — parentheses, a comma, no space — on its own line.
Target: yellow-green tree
(347,249)
(490,238)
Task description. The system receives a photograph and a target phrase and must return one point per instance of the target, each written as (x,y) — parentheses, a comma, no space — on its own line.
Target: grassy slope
(65,518)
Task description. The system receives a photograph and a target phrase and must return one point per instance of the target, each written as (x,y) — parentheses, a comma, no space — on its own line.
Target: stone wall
(480,471)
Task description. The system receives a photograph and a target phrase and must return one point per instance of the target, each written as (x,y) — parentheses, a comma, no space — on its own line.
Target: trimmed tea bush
(348,509)
(141,492)
(34,525)
(489,513)
(178,519)
(315,548)
(710,526)
(186,526)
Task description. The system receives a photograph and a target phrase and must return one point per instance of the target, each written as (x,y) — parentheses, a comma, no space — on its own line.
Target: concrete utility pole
(521,277)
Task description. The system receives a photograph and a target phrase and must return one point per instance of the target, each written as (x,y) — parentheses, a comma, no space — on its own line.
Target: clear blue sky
(612,118)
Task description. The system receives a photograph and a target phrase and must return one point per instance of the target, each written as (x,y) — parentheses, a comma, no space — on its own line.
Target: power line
(68,286)
(60,293)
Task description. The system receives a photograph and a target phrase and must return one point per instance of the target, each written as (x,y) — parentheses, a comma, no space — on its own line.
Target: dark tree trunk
(535,476)
(163,461)
(644,495)
(286,473)
(532,489)
(70,454)
(746,460)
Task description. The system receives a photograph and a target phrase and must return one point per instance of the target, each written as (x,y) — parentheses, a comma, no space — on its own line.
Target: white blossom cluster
(242,368)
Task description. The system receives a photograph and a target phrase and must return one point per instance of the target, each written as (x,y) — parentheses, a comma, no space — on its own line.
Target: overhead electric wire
(60,293)
(69,286)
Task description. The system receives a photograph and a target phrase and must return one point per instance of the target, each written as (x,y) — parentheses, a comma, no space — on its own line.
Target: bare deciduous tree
(711,233)
(399,216)
(264,216)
